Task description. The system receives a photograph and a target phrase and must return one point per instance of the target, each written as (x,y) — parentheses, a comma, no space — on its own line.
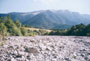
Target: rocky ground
(46,48)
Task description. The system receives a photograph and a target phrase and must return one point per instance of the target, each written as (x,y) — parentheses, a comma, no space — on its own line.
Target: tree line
(8,27)
(76,30)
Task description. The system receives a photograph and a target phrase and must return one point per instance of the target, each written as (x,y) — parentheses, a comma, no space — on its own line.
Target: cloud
(34,0)
(45,1)
(48,1)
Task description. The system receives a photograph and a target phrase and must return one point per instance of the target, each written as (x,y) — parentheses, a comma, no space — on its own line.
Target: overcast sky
(82,6)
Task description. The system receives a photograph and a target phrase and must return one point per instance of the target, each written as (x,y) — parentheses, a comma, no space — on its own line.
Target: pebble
(46,48)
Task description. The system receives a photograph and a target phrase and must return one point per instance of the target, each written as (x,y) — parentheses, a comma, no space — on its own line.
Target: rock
(12,59)
(48,48)
(21,53)
(18,56)
(31,50)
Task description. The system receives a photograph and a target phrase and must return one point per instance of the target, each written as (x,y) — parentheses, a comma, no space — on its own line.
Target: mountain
(50,19)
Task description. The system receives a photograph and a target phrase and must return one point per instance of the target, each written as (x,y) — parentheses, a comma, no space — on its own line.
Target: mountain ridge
(49,19)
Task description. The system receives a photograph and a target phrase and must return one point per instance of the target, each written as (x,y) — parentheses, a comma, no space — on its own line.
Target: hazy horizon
(81,6)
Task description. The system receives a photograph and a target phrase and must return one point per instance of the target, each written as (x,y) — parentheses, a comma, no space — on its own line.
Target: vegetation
(77,30)
(58,32)
(10,28)
(87,29)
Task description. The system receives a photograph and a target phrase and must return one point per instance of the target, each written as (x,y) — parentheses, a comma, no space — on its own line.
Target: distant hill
(50,19)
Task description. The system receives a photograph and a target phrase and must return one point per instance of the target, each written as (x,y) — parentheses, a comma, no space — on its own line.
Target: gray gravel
(46,48)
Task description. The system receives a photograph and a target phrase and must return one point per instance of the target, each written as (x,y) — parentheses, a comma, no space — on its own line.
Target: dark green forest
(8,27)
(76,30)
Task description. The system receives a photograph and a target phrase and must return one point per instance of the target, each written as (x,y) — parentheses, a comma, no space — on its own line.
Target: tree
(3,30)
(87,29)
(12,28)
(23,31)
(72,30)
(18,24)
(78,30)
(81,29)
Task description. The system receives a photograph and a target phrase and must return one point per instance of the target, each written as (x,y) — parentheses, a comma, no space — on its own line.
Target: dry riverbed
(46,48)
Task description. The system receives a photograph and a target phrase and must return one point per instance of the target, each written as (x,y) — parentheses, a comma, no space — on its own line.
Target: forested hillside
(50,19)
(77,30)
(8,27)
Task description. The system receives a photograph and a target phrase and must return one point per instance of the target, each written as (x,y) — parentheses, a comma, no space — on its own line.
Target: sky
(81,6)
